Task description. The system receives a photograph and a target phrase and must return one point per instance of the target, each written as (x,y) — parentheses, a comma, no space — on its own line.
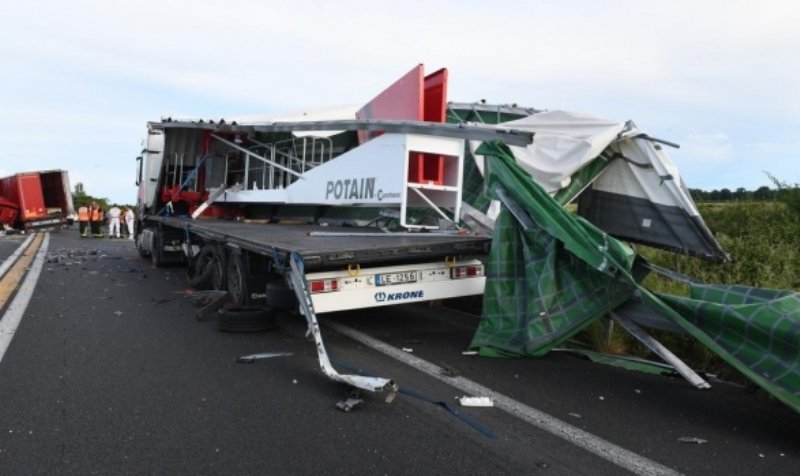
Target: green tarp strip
(546,283)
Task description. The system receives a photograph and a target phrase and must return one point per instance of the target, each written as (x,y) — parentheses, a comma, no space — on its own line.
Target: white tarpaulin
(639,196)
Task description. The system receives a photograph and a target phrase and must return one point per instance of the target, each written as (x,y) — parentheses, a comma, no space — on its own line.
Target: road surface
(109,372)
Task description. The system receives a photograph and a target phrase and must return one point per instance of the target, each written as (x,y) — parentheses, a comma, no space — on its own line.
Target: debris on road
(349,404)
(449,371)
(476,401)
(249,359)
(692,439)
(408,349)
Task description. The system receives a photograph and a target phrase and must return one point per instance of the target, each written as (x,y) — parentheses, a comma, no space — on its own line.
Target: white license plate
(396,278)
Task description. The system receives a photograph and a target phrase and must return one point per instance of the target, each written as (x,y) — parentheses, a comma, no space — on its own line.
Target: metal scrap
(249,359)
(349,404)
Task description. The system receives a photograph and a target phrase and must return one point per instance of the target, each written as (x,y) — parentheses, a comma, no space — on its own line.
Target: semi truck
(36,200)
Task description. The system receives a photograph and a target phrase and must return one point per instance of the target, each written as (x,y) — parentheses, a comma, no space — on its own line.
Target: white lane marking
(11,319)
(594,444)
(11,259)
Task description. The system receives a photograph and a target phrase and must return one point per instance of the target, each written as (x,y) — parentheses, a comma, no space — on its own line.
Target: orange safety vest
(83,214)
(97,214)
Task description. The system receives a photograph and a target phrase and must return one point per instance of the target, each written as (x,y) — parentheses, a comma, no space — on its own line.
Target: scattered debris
(249,359)
(692,439)
(601,397)
(349,404)
(117,313)
(407,349)
(469,352)
(294,381)
(449,371)
(476,401)
(574,415)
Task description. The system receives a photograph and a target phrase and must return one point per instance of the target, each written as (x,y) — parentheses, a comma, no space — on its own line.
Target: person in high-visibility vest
(83,220)
(96,219)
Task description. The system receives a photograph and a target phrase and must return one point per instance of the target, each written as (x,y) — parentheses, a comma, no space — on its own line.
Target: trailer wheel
(246,319)
(219,268)
(199,273)
(279,296)
(237,280)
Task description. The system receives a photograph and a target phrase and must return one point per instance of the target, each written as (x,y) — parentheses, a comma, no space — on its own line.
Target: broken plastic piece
(469,352)
(476,402)
(349,404)
(408,349)
(692,439)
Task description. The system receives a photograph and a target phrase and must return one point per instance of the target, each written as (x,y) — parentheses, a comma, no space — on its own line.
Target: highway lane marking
(13,315)
(594,444)
(11,259)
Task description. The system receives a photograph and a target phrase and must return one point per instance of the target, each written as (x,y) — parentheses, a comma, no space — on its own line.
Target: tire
(219,269)
(237,280)
(157,250)
(246,319)
(198,274)
(142,252)
(279,296)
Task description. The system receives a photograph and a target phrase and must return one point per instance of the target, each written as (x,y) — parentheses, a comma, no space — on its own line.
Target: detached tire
(199,273)
(246,319)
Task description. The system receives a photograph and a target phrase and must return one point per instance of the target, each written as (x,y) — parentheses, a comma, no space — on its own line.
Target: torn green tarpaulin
(623,361)
(574,273)
(758,329)
(546,283)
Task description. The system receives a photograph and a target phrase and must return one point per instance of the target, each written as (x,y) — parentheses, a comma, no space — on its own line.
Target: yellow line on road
(13,278)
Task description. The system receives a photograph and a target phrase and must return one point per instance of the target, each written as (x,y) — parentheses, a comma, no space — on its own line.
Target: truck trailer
(35,200)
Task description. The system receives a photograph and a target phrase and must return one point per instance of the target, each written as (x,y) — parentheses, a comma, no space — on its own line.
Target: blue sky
(80,79)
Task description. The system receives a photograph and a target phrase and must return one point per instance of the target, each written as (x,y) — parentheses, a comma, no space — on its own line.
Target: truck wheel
(198,274)
(142,252)
(246,319)
(219,269)
(157,251)
(237,280)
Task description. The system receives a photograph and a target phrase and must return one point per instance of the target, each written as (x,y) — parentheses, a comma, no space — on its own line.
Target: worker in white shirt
(128,216)
(113,222)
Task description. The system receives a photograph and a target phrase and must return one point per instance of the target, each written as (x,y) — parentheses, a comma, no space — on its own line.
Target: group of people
(91,220)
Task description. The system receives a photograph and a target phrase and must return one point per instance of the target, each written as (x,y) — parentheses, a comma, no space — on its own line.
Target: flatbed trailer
(318,269)
(323,247)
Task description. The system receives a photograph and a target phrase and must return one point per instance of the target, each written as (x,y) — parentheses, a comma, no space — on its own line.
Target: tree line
(740,194)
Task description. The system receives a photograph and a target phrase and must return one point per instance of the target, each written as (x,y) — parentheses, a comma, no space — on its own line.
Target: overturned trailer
(36,200)
(391,203)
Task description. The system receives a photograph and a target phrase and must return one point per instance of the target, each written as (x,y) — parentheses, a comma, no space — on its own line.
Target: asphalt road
(110,373)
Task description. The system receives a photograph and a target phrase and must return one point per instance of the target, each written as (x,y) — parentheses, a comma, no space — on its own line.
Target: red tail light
(324,285)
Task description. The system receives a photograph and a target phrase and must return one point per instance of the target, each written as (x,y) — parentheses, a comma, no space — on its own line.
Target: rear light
(324,285)
(460,272)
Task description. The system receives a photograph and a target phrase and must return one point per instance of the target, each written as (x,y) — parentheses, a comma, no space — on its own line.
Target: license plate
(396,278)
